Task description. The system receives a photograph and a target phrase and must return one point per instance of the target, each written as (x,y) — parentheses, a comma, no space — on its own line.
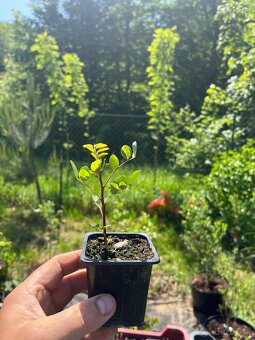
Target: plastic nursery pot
(169,332)
(206,302)
(217,333)
(128,281)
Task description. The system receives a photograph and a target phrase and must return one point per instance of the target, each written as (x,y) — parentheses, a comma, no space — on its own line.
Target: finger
(51,273)
(106,333)
(71,285)
(78,320)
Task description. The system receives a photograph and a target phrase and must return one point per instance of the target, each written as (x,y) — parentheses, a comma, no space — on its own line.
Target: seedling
(104,168)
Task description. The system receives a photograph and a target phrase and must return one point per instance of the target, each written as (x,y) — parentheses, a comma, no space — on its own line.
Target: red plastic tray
(168,333)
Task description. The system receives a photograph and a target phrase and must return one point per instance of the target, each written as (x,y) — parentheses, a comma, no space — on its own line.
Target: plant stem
(113,172)
(103,211)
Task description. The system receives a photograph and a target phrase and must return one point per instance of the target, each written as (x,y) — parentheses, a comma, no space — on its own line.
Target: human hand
(34,309)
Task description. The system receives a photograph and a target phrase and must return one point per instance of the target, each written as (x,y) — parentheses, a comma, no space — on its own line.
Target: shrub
(202,236)
(230,194)
(239,299)
(7,256)
(201,139)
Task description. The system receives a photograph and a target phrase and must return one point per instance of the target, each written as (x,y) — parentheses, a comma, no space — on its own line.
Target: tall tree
(25,122)
(161,83)
(68,90)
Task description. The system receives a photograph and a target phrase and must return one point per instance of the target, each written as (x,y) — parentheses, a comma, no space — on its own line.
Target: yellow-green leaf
(84,173)
(95,165)
(114,188)
(88,147)
(126,151)
(114,162)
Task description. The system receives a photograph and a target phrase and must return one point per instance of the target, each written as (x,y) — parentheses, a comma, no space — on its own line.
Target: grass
(21,223)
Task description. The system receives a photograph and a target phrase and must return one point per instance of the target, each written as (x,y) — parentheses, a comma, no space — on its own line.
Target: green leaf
(121,179)
(114,162)
(95,165)
(95,226)
(123,185)
(126,151)
(96,200)
(134,176)
(134,149)
(74,169)
(114,188)
(84,173)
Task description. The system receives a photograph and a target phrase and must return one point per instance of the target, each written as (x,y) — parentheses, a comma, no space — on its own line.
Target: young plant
(103,168)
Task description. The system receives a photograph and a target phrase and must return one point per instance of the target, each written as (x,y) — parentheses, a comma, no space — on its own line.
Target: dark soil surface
(231,329)
(206,284)
(120,249)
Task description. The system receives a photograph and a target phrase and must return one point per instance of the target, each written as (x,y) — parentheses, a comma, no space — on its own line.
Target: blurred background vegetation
(177,76)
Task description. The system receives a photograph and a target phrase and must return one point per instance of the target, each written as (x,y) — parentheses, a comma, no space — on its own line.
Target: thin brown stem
(103,211)
(113,172)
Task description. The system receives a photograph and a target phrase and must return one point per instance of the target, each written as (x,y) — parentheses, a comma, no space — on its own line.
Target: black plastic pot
(206,302)
(220,317)
(127,281)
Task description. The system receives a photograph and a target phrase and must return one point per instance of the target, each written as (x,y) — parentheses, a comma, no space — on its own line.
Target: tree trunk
(35,175)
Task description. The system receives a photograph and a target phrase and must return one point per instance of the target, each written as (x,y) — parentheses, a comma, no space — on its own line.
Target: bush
(202,138)
(18,195)
(230,194)
(202,236)
(7,256)
(239,299)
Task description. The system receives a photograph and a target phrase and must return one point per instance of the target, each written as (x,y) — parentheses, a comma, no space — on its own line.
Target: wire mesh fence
(115,130)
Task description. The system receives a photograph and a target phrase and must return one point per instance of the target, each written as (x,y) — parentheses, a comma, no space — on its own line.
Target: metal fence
(116,130)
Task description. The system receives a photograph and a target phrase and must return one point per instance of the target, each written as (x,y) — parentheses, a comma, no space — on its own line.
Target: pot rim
(155,259)
(193,286)
(221,316)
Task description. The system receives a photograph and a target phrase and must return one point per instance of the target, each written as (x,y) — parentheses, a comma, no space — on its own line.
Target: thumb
(78,320)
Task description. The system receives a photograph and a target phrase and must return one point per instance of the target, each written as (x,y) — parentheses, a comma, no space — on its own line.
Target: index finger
(51,273)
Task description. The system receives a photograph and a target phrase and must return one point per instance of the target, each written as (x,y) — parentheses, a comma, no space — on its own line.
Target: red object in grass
(168,333)
(164,204)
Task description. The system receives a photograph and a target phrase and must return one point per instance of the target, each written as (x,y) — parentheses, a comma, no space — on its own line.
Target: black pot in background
(220,316)
(206,302)
(128,281)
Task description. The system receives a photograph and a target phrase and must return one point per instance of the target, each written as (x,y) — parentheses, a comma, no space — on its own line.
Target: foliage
(97,169)
(236,43)
(161,86)
(5,41)
(230,194)
(161,80)
(16,195)
(7,255)
(68,88)
(10,79)
(25,122)
(116,75)
(202,235)
(199,140)
(221,215)
(238,300)
(205,137)
(53,219)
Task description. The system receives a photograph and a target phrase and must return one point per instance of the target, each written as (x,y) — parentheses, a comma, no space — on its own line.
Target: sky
(6,7)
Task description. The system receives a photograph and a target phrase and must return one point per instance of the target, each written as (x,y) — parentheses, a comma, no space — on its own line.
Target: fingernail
(105,304)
